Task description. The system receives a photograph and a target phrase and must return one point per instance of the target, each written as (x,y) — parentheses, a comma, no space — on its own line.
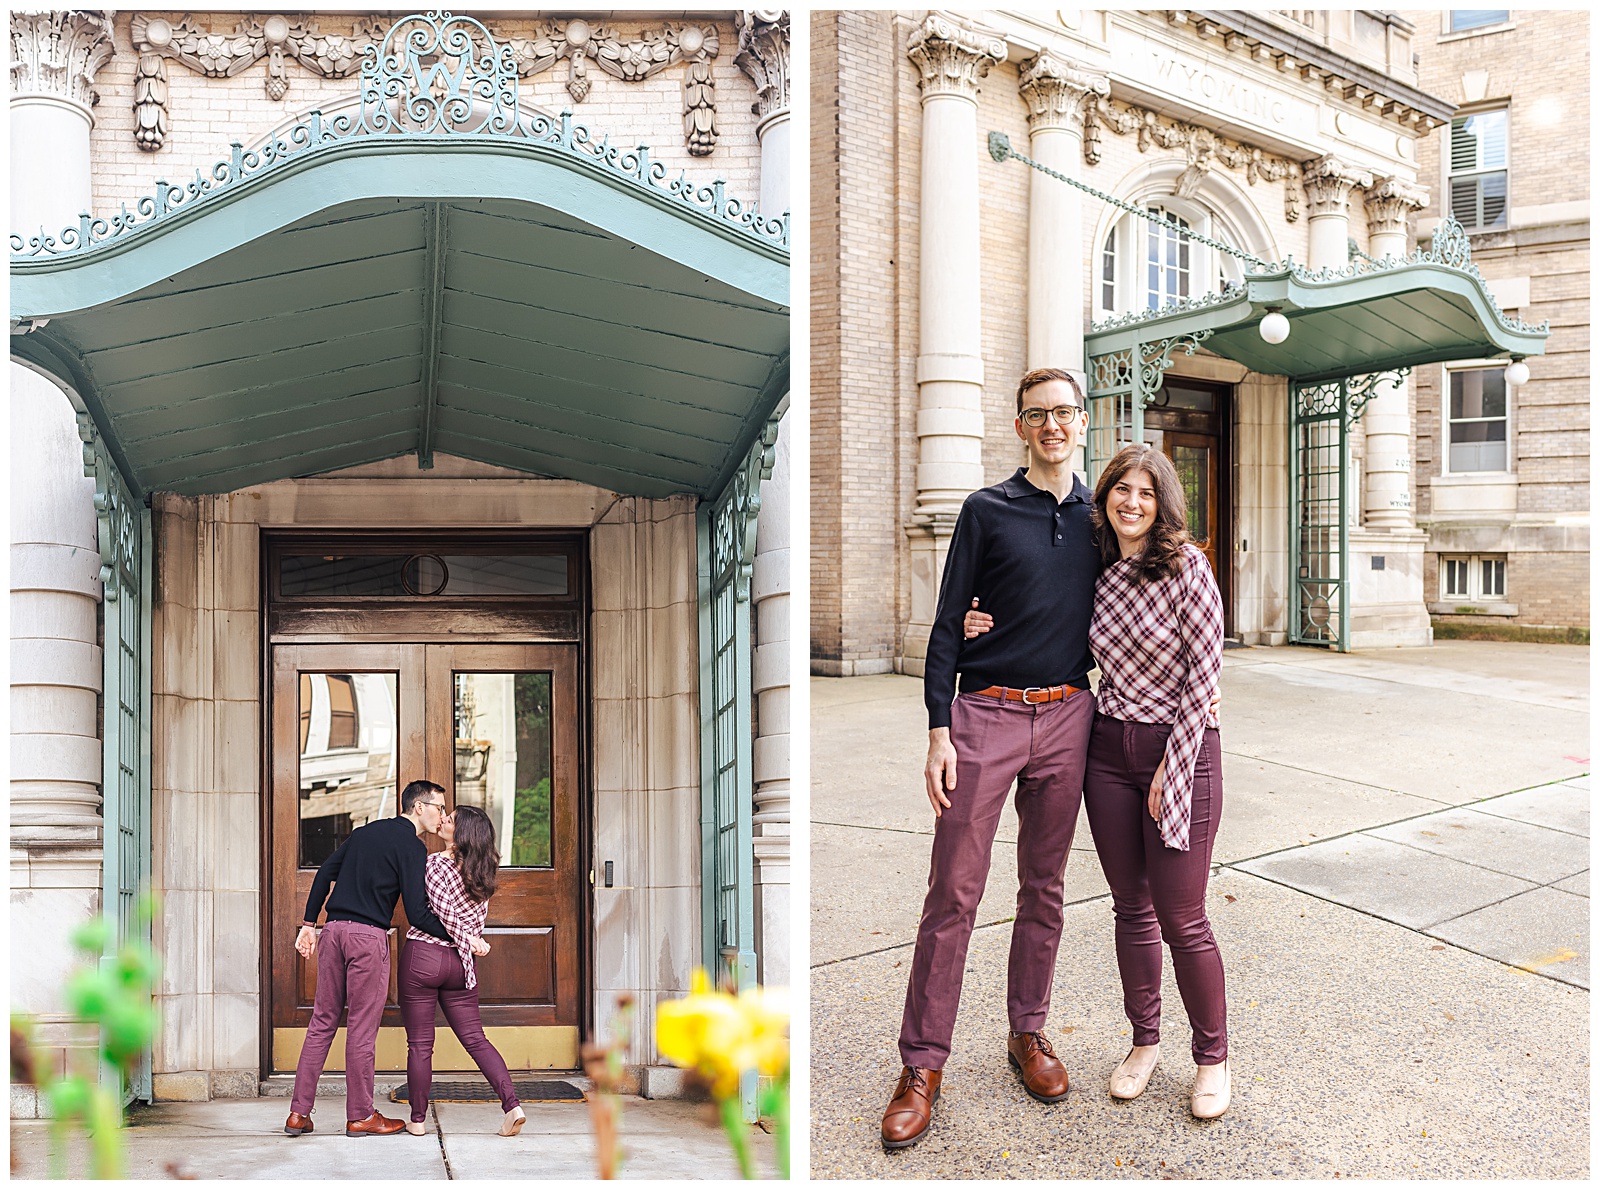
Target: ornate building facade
(397,397)
(1130,195)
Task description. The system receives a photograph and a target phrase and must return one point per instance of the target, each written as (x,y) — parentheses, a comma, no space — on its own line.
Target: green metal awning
(500,286)
(1429,307)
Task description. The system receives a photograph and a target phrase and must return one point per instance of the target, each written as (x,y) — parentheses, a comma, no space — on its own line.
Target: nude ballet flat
(1211,1104)
(1127,1084)
(513,1123)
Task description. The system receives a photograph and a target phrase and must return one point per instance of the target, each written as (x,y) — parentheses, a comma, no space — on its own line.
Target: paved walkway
(244,1138)
(1417,1008)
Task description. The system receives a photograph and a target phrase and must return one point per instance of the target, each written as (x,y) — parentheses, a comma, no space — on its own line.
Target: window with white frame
(1476,429)
(1145,265)
(1474,577)
(1478,159)
(1462,19)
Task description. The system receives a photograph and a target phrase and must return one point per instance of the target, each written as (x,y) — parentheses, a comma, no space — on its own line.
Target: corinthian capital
(951,57)
(1390,201)
(763,55)
(1056,92)
(1328,182)
(59,53)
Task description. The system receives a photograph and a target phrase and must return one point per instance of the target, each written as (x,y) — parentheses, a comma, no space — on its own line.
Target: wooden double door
(1188,420)
(496,725)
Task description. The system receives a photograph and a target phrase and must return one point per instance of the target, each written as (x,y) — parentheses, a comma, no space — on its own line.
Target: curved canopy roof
(517,294)
(1374,316)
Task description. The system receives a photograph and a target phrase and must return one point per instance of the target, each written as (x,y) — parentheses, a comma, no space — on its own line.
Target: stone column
(1328,182)
(1055,94)
(1387,417)
(764,56)
(950,59)
(56,871)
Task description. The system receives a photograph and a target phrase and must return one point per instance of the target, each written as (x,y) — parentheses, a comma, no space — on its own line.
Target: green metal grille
(1318,541)
(1121,384)
(125,564)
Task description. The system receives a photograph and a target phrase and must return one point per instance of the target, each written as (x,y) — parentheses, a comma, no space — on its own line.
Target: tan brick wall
(206,114)
(1540,71)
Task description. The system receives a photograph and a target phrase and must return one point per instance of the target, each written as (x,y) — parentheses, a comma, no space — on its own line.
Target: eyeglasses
(435,805)
(1064,414)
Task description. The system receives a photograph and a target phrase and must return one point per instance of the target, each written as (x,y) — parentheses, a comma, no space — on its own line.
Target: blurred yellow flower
(721,1036)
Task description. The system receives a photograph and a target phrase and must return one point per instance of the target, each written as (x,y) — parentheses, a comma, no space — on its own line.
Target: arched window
(1145,265)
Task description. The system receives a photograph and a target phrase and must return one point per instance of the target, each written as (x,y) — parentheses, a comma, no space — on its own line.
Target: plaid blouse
(447,897)
(1159,647)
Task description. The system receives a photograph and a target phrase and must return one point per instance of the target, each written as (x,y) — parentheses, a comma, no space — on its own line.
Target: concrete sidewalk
(1416,1008)
(244,1138)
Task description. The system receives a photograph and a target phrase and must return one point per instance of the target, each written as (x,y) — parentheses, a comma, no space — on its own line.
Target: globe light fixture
(1274,327)
(1517,373)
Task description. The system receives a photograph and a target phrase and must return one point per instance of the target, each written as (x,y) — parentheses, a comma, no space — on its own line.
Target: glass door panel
(502,760)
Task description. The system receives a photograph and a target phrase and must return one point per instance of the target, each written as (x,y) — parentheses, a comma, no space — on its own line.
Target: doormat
(528,1090)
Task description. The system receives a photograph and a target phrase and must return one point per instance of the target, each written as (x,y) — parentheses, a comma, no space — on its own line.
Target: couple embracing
(446,896)
(1064,582)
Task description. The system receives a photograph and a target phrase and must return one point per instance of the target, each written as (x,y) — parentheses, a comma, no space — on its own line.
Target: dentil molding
(951,58)
(632,59)
(59,53)
(763,55)
(1057,94)
(1202,148)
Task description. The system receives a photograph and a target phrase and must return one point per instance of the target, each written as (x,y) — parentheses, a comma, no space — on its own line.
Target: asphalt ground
(1415,1008)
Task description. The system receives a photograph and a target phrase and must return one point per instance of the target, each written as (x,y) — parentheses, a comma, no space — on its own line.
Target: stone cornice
(951,58)
(1248,33)
(1328,182)
(1201,147)
(763,55)
(1390,202)
(59,53)
(1056,93)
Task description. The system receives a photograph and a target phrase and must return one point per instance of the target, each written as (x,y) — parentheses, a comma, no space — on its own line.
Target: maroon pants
(353,972)
(433,976)
(1156,892)
(1042,749)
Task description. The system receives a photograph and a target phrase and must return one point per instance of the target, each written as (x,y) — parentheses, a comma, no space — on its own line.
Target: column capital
(1390,202)
(1056,91)
(59,53)
(763,55)
(951,58)
(1328,182)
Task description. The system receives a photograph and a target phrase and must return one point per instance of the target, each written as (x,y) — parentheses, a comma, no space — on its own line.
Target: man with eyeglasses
(1023,549)
(380,862)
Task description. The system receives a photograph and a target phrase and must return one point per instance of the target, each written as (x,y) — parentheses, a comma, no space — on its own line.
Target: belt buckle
(1033,702)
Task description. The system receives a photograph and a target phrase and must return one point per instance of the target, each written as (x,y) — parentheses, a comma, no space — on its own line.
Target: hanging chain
(1000,148)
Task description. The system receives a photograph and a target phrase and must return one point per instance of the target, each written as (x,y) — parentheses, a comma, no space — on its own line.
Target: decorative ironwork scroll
(125,566)
(464,85)
(1319,555)
(1364,388)
(1121,385)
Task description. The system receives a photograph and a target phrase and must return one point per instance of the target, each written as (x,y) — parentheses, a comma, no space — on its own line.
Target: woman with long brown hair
(460,880)
(1152,787)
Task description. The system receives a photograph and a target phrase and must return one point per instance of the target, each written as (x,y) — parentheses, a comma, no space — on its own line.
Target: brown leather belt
(1032,695)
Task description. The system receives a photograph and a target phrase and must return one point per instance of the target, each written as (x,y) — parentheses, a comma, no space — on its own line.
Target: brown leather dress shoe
(1043,1075)
(910,1112)
(296,1124)
(374,1125)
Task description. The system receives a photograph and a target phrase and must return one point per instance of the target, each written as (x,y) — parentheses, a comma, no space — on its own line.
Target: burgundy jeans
(432,975)
(353,971)
(1042,748)
(1156,892)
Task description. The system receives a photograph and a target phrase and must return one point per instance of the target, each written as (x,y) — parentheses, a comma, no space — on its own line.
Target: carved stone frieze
(150,93)
(59,53)
(1202,148)
(763,55)
(332,55)
(951,58)
(1056,93)
(1328,182)
(1390,202)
